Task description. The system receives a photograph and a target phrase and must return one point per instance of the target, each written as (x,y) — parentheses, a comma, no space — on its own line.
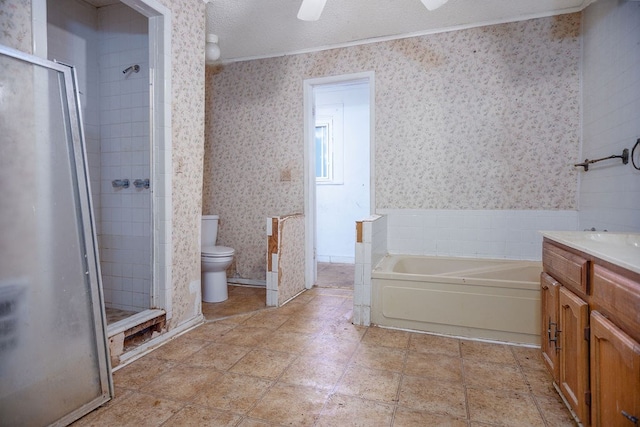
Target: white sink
(622,249)
(624,239)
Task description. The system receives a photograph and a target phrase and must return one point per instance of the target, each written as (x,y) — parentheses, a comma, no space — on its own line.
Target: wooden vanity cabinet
(573,321)
(615,375)
(590,333)
(549,288)
(568,268)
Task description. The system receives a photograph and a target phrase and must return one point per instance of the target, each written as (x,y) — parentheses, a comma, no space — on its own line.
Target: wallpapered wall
(187,120)
(483,118)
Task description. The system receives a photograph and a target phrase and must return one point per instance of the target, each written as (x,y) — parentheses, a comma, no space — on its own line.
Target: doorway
(117,49)
(338,169)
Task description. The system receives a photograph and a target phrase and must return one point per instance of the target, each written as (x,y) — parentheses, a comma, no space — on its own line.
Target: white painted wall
(340,205)
(610,191)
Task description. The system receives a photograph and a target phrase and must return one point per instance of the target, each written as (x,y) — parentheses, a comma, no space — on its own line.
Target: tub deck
(488,299)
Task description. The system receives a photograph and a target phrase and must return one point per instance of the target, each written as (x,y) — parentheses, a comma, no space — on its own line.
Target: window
(324,151)
(329,144)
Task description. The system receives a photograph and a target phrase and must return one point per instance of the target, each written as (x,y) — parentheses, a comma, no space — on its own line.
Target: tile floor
(305,364)
(242,299)
(334,275)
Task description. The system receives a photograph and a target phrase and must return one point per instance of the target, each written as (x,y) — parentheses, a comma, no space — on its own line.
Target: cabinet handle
(553,340)
(630,417)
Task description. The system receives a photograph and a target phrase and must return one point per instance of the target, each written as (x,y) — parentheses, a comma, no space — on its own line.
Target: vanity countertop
(622,249)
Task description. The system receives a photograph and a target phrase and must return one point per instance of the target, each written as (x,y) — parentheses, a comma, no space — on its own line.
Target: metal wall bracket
(624,156)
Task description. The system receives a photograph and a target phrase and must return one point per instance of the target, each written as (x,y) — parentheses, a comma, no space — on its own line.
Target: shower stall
(109,47)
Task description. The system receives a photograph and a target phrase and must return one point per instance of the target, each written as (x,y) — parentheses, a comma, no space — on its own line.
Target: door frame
(310,270)
(160,149)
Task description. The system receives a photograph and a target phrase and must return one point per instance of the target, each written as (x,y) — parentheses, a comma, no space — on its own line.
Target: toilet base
(214,286)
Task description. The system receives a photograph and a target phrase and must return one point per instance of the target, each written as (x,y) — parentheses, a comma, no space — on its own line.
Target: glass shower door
(54,364)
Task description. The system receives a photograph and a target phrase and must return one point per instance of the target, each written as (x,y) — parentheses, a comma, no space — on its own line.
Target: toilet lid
(216,251)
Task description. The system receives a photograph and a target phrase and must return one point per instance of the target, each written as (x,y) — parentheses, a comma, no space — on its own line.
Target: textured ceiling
(250,29)
(259,28)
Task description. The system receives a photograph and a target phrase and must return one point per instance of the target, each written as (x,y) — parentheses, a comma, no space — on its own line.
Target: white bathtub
(476,298)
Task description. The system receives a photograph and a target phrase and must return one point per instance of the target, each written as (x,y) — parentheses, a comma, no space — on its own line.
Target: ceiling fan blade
(433,4)
(310,10)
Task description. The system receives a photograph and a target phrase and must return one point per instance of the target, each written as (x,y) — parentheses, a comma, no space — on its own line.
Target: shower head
(134,68)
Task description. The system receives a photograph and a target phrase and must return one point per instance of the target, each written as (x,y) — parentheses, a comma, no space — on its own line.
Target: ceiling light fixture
(310,10)
(433,4)
(211,49)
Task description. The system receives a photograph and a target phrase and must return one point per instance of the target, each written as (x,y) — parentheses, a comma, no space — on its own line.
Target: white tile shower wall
(71,25)
(610,191)
(369,252)
(125,239)
(510,234)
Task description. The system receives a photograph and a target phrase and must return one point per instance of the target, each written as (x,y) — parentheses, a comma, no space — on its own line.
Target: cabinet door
(615,375)
(574,352)
(550,331)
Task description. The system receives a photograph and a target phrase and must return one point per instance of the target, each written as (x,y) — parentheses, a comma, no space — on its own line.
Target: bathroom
(493,184)
(487,153)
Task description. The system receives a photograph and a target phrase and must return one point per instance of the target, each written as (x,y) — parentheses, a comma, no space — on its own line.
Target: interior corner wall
(482,118)
(610,191)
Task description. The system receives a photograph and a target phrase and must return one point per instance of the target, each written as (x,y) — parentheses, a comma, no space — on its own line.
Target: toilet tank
(209,232)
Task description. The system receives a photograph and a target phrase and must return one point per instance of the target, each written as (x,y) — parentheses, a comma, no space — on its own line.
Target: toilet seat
(216,251)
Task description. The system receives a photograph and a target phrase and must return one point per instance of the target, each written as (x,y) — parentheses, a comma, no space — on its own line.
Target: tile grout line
(464,384)
(333,390)
(402,374)
(529,388)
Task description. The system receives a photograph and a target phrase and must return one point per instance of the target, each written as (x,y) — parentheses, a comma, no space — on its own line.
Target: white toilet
(214,262)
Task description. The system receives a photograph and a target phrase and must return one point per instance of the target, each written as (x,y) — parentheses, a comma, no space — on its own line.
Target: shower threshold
(126,334)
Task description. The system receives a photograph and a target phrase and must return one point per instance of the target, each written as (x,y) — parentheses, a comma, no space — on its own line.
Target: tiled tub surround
(510,234)
(371,247)
(502,234)
(482,118)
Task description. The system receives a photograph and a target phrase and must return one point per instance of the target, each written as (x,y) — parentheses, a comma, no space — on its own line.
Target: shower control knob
(141,183)
(120,183)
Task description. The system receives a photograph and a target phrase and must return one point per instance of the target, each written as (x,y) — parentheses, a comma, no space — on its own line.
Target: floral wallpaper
(290,257)
(15,24)
(482,118)
(187,121)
